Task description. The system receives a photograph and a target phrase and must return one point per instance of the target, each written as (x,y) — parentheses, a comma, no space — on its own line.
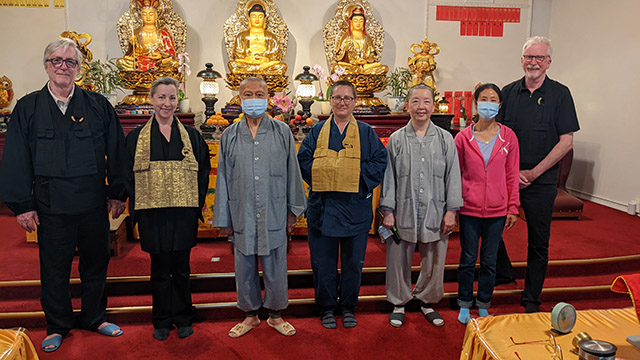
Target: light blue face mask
(488,110)
(254,108)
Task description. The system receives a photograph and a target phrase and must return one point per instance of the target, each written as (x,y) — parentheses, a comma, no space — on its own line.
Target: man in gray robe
(259,194)
(421,192)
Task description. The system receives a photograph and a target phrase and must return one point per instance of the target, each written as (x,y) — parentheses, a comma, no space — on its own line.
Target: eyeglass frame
(549,343)
(346,100)
(537,58)
(71,63)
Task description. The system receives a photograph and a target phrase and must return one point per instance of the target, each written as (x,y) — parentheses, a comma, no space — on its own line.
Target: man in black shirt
(61,143)
(543,116)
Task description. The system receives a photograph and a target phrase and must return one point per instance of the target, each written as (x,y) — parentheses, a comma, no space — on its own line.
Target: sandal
(240,329)
(55,341)
(328,320)
(108,330)
(349,320)
(396,319)
(284,328)
(433,317)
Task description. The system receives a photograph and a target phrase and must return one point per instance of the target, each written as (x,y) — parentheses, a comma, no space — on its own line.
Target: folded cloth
(629,284)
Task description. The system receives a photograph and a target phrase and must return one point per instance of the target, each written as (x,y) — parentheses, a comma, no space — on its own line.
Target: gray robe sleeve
(296,196)
(388,189)
(221,212)
(453,182)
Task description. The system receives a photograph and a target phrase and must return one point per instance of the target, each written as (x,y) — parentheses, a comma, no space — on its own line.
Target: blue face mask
(488,110)
(254,108)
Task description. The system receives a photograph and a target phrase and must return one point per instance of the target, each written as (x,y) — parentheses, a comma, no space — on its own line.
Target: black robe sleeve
(16,173)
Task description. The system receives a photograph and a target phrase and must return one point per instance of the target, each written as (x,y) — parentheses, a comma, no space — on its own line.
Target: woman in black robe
(168,180)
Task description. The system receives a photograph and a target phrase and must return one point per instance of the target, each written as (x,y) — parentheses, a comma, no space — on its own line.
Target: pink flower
(319,71)
(339,72)
(183,62)
(282,102)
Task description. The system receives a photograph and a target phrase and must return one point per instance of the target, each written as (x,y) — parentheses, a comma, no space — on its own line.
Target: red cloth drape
(629,284)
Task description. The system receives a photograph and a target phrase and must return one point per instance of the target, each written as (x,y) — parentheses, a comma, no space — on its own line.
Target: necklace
(486,142)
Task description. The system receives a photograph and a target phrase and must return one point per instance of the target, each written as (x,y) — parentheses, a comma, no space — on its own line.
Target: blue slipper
(109,329)
(55,341)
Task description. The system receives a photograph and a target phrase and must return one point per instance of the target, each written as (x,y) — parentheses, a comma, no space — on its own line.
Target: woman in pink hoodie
(489,164)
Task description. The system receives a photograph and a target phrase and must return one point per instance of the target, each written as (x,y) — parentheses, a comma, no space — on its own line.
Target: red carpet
(312,341)
(603,232)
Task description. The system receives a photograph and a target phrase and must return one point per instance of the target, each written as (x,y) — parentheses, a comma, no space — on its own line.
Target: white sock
(426,311)
(398,309)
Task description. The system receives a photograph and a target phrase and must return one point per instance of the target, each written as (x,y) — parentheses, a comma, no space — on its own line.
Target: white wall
(459,66)
(594,55)
(596,48)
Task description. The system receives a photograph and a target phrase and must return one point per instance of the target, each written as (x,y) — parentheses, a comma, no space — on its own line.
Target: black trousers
(324,252)
(171,289)
(58,237)
(537,202)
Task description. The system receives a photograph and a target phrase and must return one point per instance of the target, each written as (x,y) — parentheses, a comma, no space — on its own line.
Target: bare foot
(50,337)
(252,321)
(114,333)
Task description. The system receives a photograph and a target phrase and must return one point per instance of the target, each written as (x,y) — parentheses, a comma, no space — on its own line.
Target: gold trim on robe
(337,170)
(162,184)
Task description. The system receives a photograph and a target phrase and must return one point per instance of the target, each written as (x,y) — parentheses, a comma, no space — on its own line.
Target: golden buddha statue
(151,35)
(423,64)
(256,41)
(149,45)
(256,49)
(356,53)
(353,41)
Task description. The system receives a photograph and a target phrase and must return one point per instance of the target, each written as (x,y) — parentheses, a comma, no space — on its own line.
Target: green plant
(103,76)
(398,82)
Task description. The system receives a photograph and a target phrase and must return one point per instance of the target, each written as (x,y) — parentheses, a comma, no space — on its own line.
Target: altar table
(489,337)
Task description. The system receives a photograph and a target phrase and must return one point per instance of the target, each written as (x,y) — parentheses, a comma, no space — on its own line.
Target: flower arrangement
(185,69)
(284,106)
(319,72)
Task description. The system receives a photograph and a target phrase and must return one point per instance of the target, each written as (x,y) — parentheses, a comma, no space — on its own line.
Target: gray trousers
(430,285)
(274,274)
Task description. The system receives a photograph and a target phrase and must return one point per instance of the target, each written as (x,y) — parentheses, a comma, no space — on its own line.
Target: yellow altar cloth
(488,337)
(16,345)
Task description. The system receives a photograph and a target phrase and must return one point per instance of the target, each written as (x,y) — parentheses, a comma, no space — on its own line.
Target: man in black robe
(61,143)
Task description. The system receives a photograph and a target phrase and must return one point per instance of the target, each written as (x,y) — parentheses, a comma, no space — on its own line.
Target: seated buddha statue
(355,51)
(149,45)
(257,50)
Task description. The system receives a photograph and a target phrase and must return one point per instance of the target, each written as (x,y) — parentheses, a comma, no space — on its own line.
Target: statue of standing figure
(423,64)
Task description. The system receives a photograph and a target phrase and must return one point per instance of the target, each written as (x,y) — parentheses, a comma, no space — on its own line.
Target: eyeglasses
(538,58)
(346,100)
(550,343)
(57,62)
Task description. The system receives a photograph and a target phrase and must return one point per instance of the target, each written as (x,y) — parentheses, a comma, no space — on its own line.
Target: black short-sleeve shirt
(538,119)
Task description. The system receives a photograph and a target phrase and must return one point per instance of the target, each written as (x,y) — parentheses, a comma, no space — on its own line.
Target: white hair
(537,40)
(59,44)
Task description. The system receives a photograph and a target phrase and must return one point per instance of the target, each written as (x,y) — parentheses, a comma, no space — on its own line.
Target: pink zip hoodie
(489,191)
